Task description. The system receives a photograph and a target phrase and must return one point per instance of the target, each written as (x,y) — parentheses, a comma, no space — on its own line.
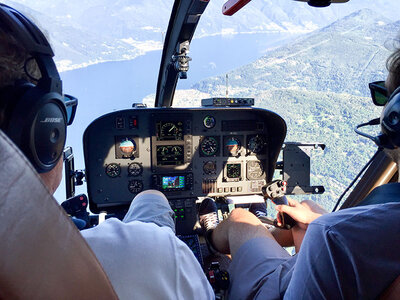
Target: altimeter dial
(113,170)
(135,169)
(209,146)
(135,186)
(256,144)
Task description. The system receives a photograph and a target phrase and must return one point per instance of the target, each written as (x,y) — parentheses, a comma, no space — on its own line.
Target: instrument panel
(185,153)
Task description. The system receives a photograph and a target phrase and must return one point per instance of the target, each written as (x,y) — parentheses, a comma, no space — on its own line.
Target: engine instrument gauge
(113,170)
(255,170)
(170,131)
(233,170)
(135,186)
(209,146)
(135,169)
(256,144)
(170,155)
(209,167)
(177,150)
(233,146)
(209,122)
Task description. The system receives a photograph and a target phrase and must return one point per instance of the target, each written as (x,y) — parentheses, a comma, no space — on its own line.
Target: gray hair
(393,65)
(15,63)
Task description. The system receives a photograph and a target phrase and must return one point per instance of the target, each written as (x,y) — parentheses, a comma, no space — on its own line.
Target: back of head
(32,109)
(390,118)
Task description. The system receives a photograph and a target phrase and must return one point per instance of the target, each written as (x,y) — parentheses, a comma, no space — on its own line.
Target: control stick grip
(275,191)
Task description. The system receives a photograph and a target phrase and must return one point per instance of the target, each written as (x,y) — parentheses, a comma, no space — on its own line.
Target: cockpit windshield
(309,65)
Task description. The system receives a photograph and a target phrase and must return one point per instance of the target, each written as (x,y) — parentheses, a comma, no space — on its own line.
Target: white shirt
(145,261)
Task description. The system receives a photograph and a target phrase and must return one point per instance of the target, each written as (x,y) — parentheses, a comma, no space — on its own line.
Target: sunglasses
(70,103)
(379,93)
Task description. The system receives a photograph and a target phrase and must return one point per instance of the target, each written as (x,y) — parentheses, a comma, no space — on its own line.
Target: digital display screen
(173,182)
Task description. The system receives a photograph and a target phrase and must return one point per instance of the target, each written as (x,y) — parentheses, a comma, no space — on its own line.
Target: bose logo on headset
(52,120)
(36,115)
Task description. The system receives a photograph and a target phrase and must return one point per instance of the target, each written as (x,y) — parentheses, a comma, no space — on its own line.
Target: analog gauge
(177,150)
(135,169)
(113,170)
(162,150)
(255,170)
(209,122)
(233,170)
(209,167)
(209,146)
(233,146)
(169,129)
(256,144)
(135,186)
(170,155)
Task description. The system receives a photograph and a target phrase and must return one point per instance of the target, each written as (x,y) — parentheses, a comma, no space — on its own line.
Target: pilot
(141,254)
(349,254)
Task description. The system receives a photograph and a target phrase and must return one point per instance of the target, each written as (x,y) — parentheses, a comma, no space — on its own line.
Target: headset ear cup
(37,125)
(48,135)
(390,120)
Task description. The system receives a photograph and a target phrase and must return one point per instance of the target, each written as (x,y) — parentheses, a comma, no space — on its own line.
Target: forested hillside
(319,85)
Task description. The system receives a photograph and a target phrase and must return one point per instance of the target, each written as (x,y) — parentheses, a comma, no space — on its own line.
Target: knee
(240,215)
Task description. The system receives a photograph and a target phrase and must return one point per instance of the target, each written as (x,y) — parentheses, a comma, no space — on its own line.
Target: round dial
(169,130)
(256,144)
(233,170)
(209,146)
(209,122)
(113,170)
(135,169)
(135,186)
(255,170)
(209,167)
(233,146)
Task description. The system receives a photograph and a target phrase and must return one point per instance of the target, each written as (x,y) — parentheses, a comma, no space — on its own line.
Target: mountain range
(85,32)
(321,60)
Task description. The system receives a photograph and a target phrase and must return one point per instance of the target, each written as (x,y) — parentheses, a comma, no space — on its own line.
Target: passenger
(349,254)
(141,255)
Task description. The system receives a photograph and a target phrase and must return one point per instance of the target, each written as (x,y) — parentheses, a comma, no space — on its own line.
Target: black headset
(390,121)
(35,115)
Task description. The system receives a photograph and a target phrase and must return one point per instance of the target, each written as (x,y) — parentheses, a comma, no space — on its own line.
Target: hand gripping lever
(275,191)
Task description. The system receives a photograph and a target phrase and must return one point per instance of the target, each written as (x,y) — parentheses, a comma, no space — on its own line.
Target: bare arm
(304,213)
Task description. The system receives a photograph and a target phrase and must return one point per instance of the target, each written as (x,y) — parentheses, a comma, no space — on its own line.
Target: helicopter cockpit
(227,149)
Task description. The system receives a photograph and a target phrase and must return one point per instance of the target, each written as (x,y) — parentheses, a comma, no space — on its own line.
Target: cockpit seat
(42,254)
